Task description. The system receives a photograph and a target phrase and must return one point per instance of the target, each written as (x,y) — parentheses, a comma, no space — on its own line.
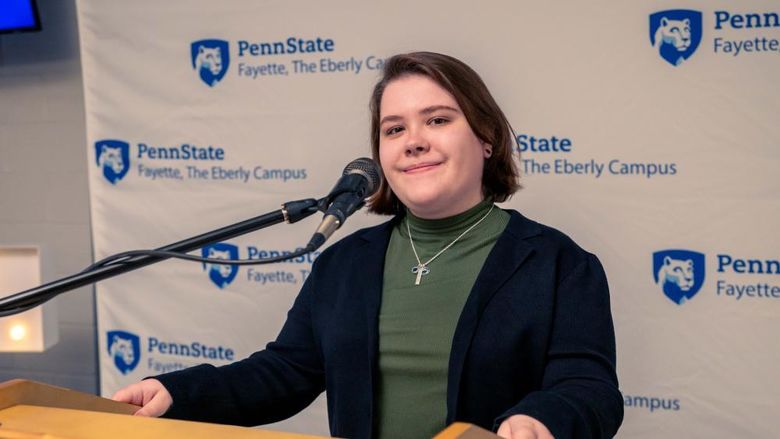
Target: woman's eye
(393,130)
(438,121)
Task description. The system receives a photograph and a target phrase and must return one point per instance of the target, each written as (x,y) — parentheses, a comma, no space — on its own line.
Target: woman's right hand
(150,394)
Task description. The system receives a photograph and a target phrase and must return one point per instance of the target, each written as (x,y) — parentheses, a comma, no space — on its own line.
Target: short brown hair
(500,175)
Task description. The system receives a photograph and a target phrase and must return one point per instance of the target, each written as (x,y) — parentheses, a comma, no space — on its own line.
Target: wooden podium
(30,410)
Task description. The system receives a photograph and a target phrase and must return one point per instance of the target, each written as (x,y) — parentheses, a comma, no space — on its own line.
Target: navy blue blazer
(535,337)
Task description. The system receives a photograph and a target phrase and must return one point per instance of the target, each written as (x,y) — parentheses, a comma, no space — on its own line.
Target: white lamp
(31,331)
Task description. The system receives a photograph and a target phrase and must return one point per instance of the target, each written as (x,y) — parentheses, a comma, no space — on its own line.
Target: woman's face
(431,158)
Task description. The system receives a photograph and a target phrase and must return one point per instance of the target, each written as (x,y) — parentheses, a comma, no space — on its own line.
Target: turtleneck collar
(453,224)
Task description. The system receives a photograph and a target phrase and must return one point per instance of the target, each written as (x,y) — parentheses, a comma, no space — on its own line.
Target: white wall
(43,185)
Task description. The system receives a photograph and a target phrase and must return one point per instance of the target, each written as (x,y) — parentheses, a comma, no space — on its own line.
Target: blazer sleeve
(579,397)
(268,386)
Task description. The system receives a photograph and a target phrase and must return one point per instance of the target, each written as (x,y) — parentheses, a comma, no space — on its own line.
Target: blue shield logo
(221,274)
(125,349)
(680,273)
(210,58)
(113,157)
(675,34)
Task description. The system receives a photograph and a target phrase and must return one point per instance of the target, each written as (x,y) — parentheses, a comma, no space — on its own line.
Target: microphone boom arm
(290,212)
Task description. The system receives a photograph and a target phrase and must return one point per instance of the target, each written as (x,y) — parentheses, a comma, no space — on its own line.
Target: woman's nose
(416,144)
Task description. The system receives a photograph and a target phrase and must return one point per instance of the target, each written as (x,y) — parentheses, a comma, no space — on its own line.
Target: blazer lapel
(506,257)
(368,266)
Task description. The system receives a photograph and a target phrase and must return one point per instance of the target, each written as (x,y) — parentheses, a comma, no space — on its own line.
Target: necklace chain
(421,268)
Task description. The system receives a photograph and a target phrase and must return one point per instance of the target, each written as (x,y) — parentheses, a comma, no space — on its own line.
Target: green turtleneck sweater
(417,322)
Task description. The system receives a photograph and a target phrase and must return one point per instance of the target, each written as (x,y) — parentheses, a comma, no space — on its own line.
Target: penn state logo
(679,273)
(113,158)
(210,58)
(125,349)
(221,274)
(675,34)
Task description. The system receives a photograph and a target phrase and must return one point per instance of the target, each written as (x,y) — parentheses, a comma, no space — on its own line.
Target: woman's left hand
(523,427)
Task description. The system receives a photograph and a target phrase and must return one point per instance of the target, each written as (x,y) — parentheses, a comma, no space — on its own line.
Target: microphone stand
(290,212)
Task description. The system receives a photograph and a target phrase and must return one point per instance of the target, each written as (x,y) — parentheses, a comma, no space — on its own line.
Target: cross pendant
(420,270)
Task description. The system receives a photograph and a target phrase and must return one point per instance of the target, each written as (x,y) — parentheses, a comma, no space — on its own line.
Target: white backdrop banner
(649,133)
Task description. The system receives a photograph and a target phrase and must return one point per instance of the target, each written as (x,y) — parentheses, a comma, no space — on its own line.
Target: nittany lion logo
(113,158)
(125,349)
(680,273)
(221,274)
(675,34)
(210,58)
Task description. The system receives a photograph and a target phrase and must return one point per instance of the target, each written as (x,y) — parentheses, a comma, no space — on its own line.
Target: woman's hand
(150,394)
(523,427)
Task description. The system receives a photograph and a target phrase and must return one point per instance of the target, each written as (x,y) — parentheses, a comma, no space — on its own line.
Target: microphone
(359,181)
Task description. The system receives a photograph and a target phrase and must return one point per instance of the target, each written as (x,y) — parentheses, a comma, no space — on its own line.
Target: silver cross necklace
(421,269)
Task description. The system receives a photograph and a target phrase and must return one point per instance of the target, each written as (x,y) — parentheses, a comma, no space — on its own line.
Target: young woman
(454,310)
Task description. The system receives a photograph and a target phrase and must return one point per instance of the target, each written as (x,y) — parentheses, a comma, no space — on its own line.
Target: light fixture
(18,332)
(34,330)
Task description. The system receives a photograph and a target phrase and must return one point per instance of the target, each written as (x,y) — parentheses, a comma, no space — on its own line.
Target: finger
(120,395)
(156,406)
(504,430)
(152,409)
(523,432)
(145,411)
(126,395)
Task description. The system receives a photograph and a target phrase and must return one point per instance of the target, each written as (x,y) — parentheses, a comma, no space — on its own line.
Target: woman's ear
(487,150)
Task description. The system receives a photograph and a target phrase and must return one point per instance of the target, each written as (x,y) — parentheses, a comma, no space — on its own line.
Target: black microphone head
(367,168)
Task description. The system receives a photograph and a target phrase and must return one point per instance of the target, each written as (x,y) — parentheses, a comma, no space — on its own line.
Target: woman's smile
(422,167)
